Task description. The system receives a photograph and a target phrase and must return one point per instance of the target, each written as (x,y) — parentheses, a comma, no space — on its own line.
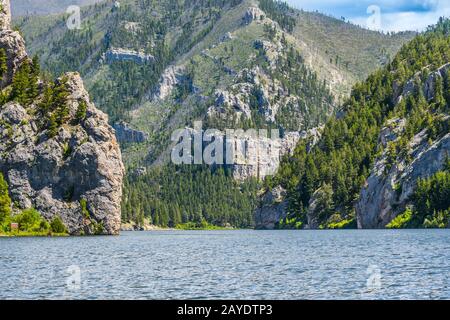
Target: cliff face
(273,204)
(11,42)
(75,174)
(125,134)
(391,183)
(272,209)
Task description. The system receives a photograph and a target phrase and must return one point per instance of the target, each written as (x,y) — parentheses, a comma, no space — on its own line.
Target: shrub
(401,221)
(30,220)
(57,226)
(5,201)
(84,210)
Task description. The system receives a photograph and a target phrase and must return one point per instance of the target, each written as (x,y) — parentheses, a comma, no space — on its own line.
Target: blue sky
(395,15)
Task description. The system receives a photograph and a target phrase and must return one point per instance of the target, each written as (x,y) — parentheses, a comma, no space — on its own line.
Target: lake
(244,264)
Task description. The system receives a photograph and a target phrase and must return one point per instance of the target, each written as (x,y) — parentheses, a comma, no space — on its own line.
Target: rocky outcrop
(389,191)
(237,102)
(272,210)
(76,173)
(5,15)
(14,47)
(273,206)
(253,14)
(55,175)
(240,97)
(120,54)
(392,181)
(125,134)
(259,156)
(170,78)
(409,87)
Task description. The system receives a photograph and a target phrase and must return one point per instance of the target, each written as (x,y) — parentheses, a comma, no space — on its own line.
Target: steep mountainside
(207,53)
(384,161)
(157,66)
(59,155)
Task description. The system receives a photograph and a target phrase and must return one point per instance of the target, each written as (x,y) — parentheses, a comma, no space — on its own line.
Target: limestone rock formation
(126,134)
(272,209)
(391,184)
(387,194)
(172,76)
(55,175)
(14,47)
(252,14)
(120,54)
(5,15)
(75,174)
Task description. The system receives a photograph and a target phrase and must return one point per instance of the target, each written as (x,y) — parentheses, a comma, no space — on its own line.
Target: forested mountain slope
(384,162)
(157,66)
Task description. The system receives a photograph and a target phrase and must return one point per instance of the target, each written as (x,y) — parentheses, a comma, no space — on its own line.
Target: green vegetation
(344,224)
(29,221)
(81,111)
(289,223)
(343,157)
(84,210)
(24,89)
(57,226)
(202,225)
(431,204)
(432,201)
(25,83)
(3,65)
(401,221)
(5,202)
(176,195)
(280,12)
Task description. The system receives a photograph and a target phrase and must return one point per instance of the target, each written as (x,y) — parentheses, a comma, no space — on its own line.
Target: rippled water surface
(408,264)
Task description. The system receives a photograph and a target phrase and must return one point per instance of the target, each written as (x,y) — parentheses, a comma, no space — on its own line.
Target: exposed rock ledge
(272,209)
(120,54)
(52,175)
(126,134)
(77,174)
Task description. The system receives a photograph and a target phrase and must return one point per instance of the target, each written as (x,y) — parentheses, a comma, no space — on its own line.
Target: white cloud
(399,15)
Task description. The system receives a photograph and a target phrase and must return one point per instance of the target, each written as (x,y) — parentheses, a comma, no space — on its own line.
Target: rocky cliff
(75,173)
(272,209)
(125,134)
(273,203)
(392,182)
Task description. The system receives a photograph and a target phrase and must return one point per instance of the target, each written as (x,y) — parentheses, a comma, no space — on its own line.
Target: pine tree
(5,201)
(81,111)
(3,63)
(439,98)
(52,126)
